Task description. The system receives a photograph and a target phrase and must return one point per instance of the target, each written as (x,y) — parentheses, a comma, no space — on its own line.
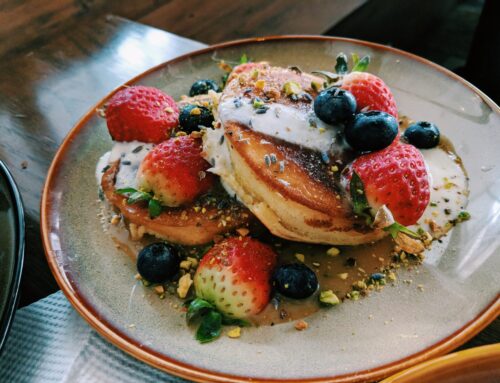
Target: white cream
(294,125)
(448,188)
(130,155)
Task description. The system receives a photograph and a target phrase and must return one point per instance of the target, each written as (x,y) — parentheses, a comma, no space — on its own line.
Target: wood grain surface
(43,92)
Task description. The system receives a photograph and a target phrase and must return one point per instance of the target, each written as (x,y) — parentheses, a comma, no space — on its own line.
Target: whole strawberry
(175,171)
(370,92)
(141,113)
(235,276)
(396,177)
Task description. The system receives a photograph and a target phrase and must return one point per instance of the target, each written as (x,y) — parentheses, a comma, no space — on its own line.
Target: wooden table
(43,92)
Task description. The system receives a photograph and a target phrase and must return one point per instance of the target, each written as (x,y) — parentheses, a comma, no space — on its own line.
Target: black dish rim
(7,316)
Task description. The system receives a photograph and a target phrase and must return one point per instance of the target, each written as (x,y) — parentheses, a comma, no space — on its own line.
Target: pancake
(281,161)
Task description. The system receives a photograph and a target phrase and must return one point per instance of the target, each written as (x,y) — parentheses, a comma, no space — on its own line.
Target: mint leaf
(355,59)
(198,307)
(138,196)
(243,58)
(358,197)
(341,65)
(210,327)
(396,228)
(361,65)
(154,208)
(125,190)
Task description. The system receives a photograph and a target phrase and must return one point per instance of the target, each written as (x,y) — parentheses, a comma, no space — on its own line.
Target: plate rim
(7,317)
(189,371)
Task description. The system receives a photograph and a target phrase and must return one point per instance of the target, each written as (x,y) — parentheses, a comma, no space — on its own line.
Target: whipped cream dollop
(297,125)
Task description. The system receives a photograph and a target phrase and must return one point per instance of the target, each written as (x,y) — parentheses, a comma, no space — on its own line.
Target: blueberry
(371,131)
(194,116)
(422,134)
(335,105)
(295,280)
(202,87)
(158,262)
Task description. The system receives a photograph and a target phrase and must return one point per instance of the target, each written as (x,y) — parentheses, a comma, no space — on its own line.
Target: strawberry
(141,113)
(175,171)
(396,177)
(370,92)
(234,275)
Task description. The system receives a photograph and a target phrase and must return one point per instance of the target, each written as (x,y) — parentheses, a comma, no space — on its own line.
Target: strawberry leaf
(396,228)
(125,191)
(359,202)
(210,327)
(154,208)
(198,307)
(138,196)
(341,65)
(361,65)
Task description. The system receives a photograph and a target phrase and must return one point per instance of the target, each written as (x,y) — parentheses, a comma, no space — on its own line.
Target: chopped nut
(185,283)
(408,244)
(115,220)
(194,261)
(343,276)
(359,285)
(260,84)
(316,264)
(391,276)
(243,231)
(180,134)
(329,298)
(333,252)
(169,110)
(234,333)
(136,232)
(186,265)
(300,257)
(159,289)
(437,230)
(301,325)
(138,277)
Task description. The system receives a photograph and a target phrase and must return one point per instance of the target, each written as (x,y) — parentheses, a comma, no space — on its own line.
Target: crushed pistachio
(185,283)
(291,88)
(333,252)
(353,295)
(300,257)
(255,74)
(328,298)
(257,103)
(463,216)
(334,168)
(195,112)
(234,333)
(343,276)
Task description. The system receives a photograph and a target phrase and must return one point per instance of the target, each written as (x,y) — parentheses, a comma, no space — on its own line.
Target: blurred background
(454,33)
(59,57)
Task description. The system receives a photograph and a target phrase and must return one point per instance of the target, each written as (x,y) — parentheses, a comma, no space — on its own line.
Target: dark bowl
(11,249)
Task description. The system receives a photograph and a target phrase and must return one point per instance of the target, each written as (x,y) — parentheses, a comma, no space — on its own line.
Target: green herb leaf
(234,322)
(125,190)
(198,307)
(154,208)
(210,327)
(361,65)
(358,197)
(396,228)
(243,58)
(341,65)
(330,76)
(138,196)
(355,59)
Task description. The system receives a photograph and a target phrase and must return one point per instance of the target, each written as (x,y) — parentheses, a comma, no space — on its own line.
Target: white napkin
(49,342)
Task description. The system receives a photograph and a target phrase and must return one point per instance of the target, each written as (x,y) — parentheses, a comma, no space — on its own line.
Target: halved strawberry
(370,92)
(235,276)
(175,171)
(396,177)
(141,113)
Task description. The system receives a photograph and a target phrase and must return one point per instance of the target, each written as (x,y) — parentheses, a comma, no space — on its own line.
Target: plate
(357,341)
(11,249)
(479,364)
